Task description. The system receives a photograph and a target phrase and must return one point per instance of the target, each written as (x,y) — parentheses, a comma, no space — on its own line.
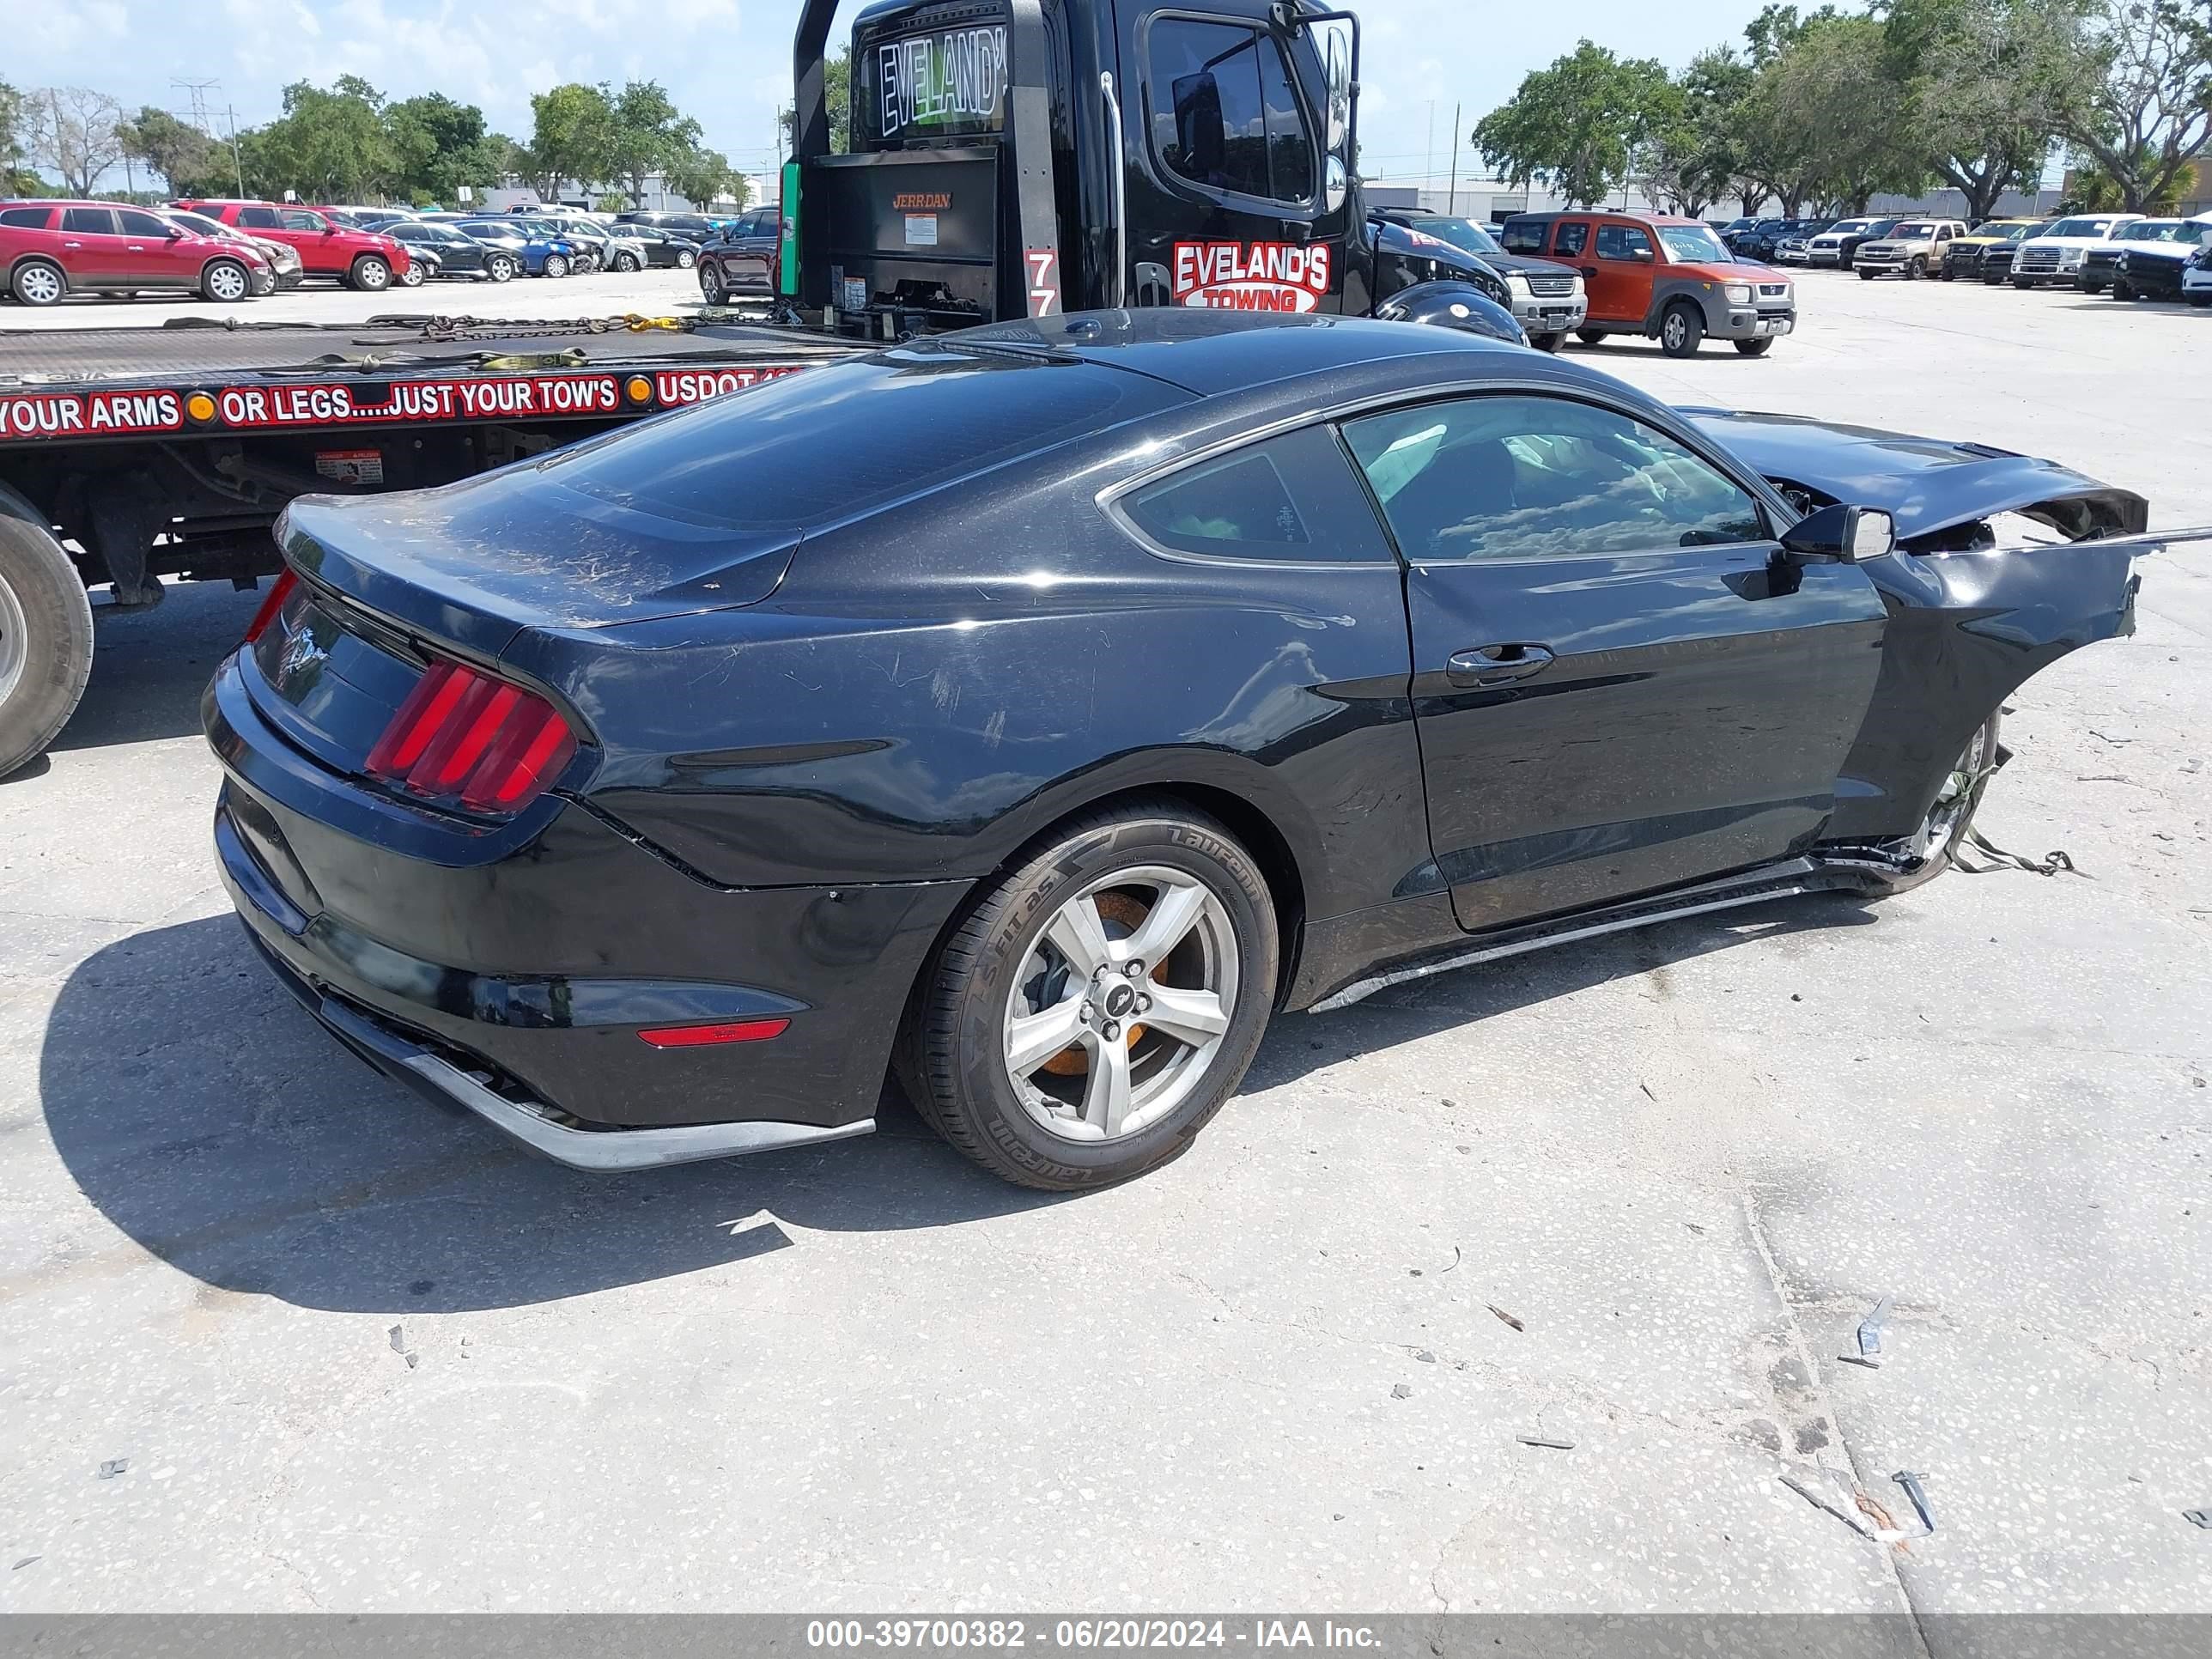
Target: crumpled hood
(1926,484)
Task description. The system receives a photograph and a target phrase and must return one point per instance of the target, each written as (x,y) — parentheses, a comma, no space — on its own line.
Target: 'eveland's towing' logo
(1264,276)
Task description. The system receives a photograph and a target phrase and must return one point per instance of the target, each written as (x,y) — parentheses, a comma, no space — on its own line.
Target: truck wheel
(1949,274)
(2200,301)
(1865,275)
(38,282)
(2123,291)
(1589,336)
(1992,279)
(1754,347)
(226,281)
(500,268)
(710,283)
(556,264)
(1102,1002)
(1547,342)
(1682,330)
(45,639)
(370,274)
(2022,283)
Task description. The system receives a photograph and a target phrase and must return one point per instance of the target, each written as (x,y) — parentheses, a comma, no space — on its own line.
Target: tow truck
(1010,159)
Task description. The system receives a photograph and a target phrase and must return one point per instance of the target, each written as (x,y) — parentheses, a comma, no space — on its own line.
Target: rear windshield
(1460,232)
(814,448)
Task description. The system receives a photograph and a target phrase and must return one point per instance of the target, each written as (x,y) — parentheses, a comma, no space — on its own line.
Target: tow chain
(444,330)
(2049,864)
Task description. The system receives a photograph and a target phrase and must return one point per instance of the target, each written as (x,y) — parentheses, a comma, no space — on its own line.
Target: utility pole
(1453,208)
(237,166)
(1429,161)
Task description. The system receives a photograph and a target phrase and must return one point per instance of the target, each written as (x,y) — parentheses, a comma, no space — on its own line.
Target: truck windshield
(1460,232)
(1689,244)
(2077,228)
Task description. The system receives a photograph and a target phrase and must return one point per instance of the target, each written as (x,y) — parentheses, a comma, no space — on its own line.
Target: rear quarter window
(26,218)
(1523,236)
(1292,499)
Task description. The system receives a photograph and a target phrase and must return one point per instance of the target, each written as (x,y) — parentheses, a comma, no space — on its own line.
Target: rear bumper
(536,959)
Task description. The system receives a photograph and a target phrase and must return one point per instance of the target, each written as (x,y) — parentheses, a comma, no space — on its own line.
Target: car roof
(1211,354)
(1631,215)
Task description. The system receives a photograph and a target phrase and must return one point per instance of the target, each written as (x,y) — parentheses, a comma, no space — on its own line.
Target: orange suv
(1666,278)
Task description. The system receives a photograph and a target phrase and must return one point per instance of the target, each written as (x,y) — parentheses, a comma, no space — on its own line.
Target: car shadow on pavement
(149,666)
(215,1124)
(1301,1043)
(208,1118)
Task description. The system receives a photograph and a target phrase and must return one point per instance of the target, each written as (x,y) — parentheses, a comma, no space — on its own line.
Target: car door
(1571,245)
(316,239)
(1619,683)
(92,248)
(1627,262)
(153,255)
(1223,176)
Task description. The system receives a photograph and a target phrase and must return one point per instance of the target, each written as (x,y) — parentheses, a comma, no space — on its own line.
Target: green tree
(330,145)
(1581,126)
(441,145)
(179,151)
(701,177)
(2141,107)
(1827,120)
(1692,160)
(649,134)
(572,137)
(17,175)
(837,93)
(1986,80)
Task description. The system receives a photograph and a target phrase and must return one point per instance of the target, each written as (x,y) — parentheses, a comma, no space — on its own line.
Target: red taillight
(466,736)
(701,1037)
(279,591)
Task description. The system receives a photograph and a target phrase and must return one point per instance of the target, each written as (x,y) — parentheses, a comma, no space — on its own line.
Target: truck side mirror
(1336,185)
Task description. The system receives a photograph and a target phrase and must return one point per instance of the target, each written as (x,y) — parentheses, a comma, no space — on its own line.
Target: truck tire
(1589,336)
(1992,279)
(45,639)
(226,281)
(370,274)
(2022,283)
(40,282)
(1865,275)
(1915,269)
(1547,342)
(1681,329)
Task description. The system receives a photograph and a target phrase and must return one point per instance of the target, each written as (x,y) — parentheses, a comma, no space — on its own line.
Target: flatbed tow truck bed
(130,455)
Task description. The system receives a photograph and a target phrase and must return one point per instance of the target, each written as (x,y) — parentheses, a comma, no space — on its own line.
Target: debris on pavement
(1424,1357)
(1870,1328)
(1401,1391)
(1860,1360)
(113,1467)
(2049,865)
(1544,1441)
(398,1339)
(26,1562)
(1504,1315)
(1911,1481)
(1863,1524)
(2195,1517)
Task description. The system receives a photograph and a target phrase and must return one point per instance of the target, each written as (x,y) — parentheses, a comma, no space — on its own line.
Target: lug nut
(1084,1013)
(1112,1031)
(1135,970)
(1143,1005)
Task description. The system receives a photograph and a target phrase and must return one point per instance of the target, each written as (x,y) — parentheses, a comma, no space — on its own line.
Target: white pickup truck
(2056,255)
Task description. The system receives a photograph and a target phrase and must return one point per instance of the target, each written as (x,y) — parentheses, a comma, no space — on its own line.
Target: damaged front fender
(1966,629)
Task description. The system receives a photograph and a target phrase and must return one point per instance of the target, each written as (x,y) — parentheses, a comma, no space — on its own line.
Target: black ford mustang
(1033,712)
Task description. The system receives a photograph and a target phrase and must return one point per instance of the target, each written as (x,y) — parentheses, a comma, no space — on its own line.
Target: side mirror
(1643,256)
(1847,535)
(175,235)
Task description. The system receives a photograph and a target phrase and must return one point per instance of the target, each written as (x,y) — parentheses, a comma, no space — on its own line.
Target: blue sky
(727,62)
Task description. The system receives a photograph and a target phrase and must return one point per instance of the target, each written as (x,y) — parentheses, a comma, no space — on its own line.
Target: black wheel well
(1251,826)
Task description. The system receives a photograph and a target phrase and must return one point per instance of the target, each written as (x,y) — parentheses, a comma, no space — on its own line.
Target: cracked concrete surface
(1687,1161)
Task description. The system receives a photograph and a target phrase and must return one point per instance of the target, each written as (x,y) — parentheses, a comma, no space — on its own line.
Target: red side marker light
(271,603)
(703,1036)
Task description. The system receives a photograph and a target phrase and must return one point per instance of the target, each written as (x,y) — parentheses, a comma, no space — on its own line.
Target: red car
(358,258)
(49,248)
(1667,278)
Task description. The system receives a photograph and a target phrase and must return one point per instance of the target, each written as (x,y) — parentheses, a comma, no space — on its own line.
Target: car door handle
(74,246)
(1497,664)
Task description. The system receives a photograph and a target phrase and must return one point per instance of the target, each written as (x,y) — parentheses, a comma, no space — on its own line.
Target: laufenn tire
(1097,1007)
(45,639)
(1951,816)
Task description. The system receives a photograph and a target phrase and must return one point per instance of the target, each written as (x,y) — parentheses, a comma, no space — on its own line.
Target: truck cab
(1014,158)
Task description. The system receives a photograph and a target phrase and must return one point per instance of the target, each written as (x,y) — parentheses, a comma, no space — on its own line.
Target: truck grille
(1773,290)
(2037,259)
(1552,288)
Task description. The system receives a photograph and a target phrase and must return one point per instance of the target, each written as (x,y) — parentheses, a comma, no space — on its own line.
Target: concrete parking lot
(1635,1196)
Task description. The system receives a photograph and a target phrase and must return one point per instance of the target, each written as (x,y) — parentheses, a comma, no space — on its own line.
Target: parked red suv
(358,258)
(1667,278)
(49,248)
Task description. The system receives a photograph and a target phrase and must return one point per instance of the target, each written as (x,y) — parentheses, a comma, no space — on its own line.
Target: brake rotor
(1075,1061)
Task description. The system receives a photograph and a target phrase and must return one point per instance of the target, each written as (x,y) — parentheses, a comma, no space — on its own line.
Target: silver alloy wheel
(15,642)
(1673,329)
(227,282)
(686,259)
(1954,802)
(555,265)
(414,277)
(500,268)
(373,274)
(38,285)
(1122,1004)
